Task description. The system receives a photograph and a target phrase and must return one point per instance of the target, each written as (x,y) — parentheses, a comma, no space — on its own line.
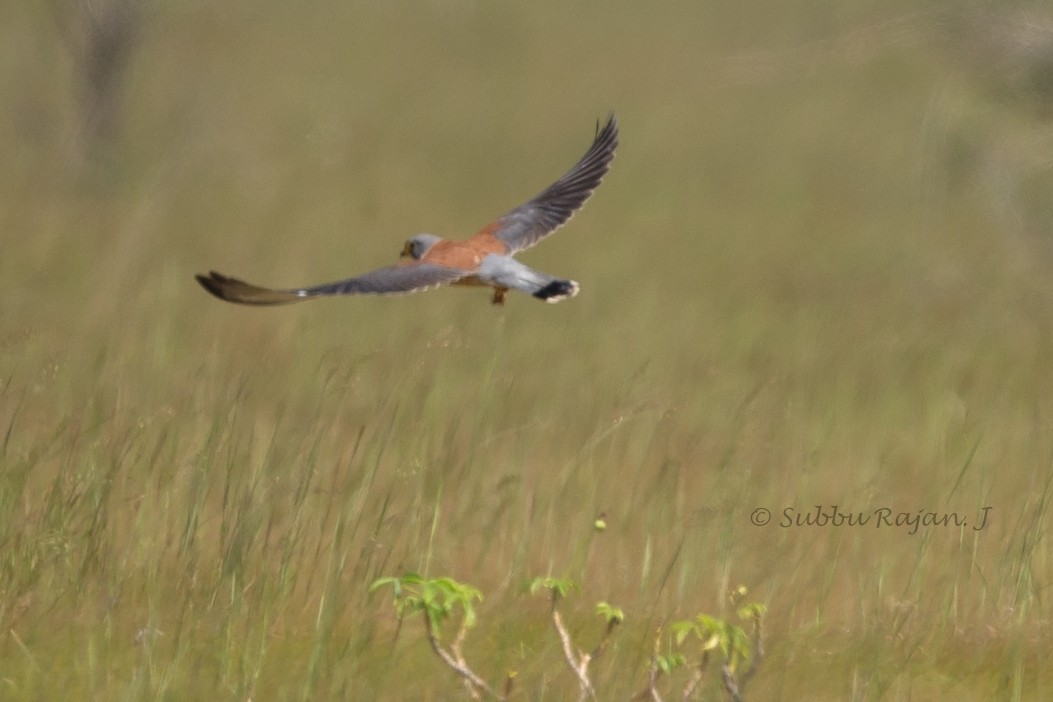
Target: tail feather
(557,290)
(506,272)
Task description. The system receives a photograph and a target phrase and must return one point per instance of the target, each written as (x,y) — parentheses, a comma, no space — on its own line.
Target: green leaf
(683,629)
(709,625)
(561,586)
(381,582)
(668,663)
(447,586)
(436,597)
(609,612)
(738,643)
(469,616)
(469,593)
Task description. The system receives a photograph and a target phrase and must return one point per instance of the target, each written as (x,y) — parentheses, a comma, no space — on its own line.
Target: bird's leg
(499,296)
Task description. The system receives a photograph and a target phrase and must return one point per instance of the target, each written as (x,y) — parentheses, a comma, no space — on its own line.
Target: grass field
(819,273)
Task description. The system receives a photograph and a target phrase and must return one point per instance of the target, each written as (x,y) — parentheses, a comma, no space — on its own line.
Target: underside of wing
(393,280)
(529,223)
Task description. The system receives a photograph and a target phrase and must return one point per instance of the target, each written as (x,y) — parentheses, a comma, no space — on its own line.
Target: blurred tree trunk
(102,35)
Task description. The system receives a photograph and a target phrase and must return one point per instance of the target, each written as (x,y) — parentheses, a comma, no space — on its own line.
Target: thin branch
(758,652)
(730,686)
(651,691)
(476,685)
(735,687)
(696,677)
(458,655)
(612,623)
(579,663)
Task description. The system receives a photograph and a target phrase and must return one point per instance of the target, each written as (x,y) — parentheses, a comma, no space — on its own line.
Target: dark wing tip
(209,283)
(553,207)
(609,130)
(238,291)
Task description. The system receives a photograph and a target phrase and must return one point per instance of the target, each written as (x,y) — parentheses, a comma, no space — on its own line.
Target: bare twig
(758,652)
(455,660)
(510,679)
(651,691)
(605,639)
(578,661)
(696,677)
(735,686)
(730,685)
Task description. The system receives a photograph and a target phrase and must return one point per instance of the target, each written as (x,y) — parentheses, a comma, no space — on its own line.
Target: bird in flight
(484,259)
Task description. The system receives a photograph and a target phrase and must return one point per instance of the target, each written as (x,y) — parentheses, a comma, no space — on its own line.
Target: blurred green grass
(817,274)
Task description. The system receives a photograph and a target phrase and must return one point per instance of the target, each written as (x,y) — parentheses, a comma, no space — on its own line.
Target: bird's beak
(405,251)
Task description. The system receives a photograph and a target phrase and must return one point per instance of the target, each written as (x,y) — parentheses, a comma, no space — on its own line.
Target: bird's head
(418,245)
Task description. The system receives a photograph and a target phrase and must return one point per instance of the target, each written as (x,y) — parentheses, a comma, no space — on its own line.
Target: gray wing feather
(392,280)
(531,222)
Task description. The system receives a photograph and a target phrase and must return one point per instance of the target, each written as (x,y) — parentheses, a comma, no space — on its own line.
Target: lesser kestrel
(483,259)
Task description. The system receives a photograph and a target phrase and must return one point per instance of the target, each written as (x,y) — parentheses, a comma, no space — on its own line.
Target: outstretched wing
(406,278)
(529,223)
